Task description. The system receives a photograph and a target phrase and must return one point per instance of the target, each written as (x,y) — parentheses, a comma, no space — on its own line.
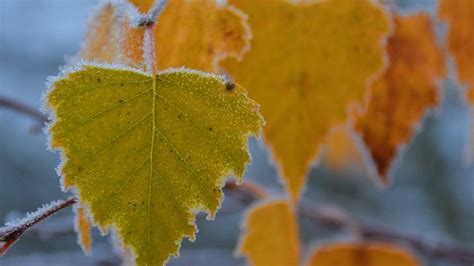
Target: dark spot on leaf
(121,84)
(120,101)
(98,80)
(229,86)
(210,50)
(210,129)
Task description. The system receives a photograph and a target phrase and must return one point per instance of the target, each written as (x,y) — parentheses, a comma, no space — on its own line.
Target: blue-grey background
(432,193)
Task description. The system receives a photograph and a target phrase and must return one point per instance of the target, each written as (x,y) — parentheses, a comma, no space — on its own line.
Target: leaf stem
(149,50)
(149,21)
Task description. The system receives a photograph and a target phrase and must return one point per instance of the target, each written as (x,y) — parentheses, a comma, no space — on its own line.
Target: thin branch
(336,217)
(23,108)
(440,249)
(11,232)
(150,18)
(248,193)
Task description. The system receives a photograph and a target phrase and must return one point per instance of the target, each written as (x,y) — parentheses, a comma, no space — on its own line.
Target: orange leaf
(271,235)
(143,6)
(460,37)
(100,43)
(83,228)
(460,16)
(342,153)
(309,62)
(196,34)
(353,254)
(401,97)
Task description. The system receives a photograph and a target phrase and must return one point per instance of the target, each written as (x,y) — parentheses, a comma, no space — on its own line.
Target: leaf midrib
(150,186)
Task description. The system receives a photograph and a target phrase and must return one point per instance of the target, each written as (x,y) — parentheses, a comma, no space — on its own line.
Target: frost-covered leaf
(354,254)
(145,153)
(309,61)
(270,235)
(82,226)
(406,91)
(100,43)
(195,34)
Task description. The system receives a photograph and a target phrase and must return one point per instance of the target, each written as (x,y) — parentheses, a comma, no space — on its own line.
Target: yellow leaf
(308,63)
(271,235)
(353,254)
(83,228)
(146,153)
(407,89)
(196,34)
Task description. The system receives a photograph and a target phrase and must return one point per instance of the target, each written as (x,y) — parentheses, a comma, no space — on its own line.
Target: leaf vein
(197,125)
(105,111)
(79,92)
(111,141)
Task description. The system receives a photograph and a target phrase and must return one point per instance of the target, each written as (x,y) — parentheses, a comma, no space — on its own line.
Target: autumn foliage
(397,105)
(160,108)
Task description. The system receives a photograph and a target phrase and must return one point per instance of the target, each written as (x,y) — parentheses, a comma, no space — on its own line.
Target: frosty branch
(150,18)
(11,232)
(248,193)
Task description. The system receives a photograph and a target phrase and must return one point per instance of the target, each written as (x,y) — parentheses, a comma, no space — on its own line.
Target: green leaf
(146,153)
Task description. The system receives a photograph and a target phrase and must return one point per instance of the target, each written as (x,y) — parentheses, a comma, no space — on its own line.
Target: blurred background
(431,196)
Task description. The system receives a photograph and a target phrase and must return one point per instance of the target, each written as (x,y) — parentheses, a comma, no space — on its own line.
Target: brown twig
(336,217)
(332,216)
(150,18)
(10,233)
(23,108)
(451,249)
